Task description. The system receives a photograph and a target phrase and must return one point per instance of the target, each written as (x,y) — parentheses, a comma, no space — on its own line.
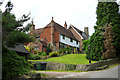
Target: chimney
(52,31)
(86,31)
(32,27)
(65,25)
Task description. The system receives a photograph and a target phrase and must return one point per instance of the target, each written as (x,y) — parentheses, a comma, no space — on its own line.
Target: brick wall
(46,34)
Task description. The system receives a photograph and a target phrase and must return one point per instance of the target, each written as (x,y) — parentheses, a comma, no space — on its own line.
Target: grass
(68,59)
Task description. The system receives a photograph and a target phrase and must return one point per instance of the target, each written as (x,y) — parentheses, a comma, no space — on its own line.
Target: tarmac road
(108,73)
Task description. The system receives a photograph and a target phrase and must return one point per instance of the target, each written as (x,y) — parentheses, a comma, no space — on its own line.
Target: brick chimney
(65,25)
(52,31)
(86,31)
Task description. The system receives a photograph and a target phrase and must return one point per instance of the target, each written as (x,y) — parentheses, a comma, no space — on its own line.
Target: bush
(54,54)
(68,50)
(48,49)
(44,54)
(40,53)
(35,52)
(33,56)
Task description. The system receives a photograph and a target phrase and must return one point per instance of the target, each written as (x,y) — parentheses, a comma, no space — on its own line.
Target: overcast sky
(80,13)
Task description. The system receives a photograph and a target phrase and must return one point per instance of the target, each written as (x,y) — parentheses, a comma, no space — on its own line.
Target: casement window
(71,40)
(63,36)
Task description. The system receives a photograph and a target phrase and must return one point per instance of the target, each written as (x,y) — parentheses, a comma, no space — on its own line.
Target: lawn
(68,59)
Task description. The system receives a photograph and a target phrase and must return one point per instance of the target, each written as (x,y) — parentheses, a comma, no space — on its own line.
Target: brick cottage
(58,36)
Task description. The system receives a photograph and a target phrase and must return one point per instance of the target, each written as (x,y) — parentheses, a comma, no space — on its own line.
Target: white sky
(80,13)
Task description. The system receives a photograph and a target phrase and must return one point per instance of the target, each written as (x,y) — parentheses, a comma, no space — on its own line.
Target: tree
(13,64)
(110,51)
(107,12)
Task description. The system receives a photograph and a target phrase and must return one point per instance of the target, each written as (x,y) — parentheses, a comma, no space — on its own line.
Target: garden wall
(79,67)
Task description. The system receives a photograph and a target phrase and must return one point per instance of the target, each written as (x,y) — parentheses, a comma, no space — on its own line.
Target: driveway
(108,73)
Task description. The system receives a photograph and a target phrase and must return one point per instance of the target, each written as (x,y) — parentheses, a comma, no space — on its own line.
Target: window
(41,39)
(63,36)
(76,42)
(38,38)
(36,48)
(71,40)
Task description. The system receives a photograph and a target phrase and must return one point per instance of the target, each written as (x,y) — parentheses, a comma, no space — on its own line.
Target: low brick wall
(79,67)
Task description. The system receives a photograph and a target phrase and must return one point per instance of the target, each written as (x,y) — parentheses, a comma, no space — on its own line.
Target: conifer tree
(107,12)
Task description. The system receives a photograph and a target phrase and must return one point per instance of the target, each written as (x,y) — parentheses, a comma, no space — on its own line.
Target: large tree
(13,64)
(107,12)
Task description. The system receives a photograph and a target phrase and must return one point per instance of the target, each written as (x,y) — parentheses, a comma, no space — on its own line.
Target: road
(108,73)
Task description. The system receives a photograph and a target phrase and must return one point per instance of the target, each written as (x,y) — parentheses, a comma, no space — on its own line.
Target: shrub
(68,49)
(64,50)
(44,54)
(48,49)
(28,49)
(33,56)
(54,54)
(35,52)
(40,53)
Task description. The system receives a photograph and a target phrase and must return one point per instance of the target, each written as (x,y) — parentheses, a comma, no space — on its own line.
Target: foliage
(85,45)
(16,37)
(35,52)
(65,50)
(13,64)
(33,56)
(110,51)
(54,54)
(11,32)
(107,12)
(70,66)
(48,49)
(39,53)
(97,46)
(68,59)
(28,49)
(44,54)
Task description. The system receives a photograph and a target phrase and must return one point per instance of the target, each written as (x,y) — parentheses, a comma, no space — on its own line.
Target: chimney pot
(65,25)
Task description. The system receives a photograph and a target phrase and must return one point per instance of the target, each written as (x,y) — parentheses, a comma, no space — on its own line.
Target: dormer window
(71,40)
(63,36)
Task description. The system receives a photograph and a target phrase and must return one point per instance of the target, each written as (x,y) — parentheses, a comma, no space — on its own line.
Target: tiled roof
(80,32)
(38,31)
(62,30)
